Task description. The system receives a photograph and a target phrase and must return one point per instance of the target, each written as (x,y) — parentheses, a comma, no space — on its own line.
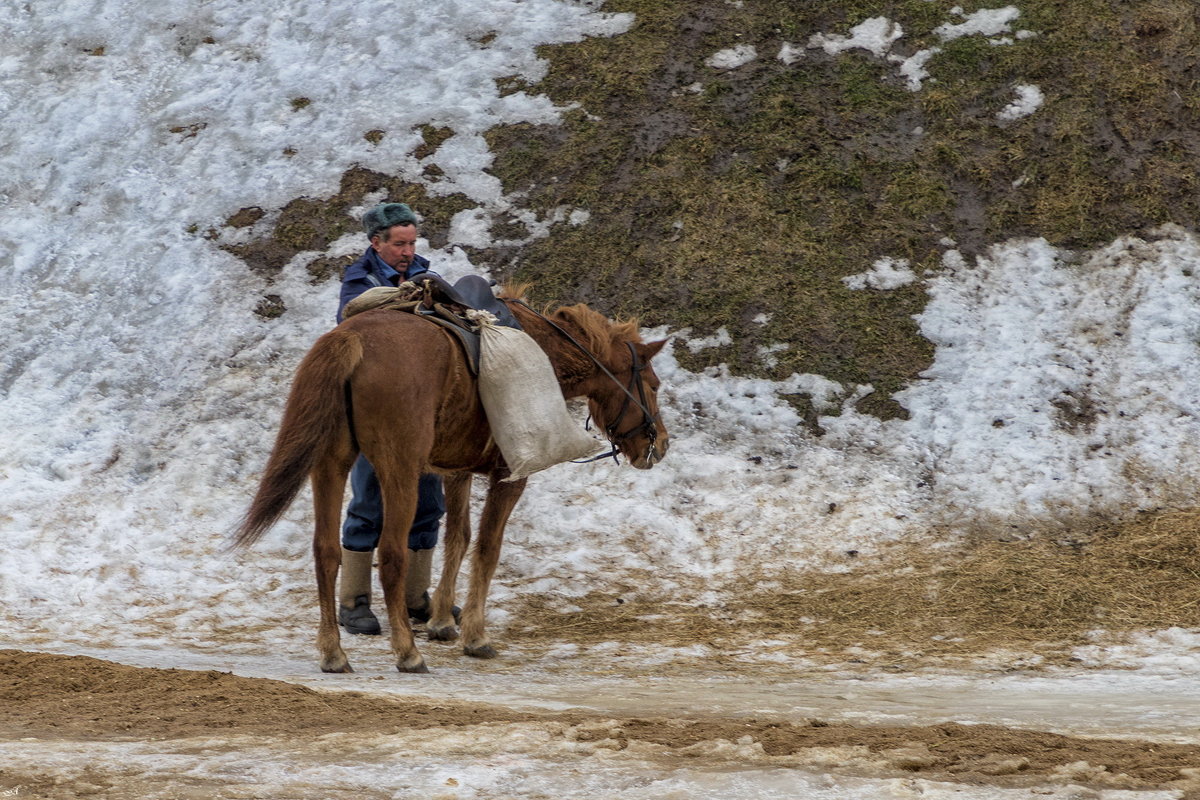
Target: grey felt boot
(354,593)
(416,586)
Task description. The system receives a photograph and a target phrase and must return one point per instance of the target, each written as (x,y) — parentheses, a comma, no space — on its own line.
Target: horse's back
(401,353)
(387,328)
(412,383)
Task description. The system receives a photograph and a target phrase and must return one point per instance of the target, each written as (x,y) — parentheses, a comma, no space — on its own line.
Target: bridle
(648,427)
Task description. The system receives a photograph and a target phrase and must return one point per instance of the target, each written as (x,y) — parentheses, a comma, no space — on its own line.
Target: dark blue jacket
(370,271)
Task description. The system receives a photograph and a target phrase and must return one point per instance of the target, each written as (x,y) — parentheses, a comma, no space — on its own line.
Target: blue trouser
(364,516)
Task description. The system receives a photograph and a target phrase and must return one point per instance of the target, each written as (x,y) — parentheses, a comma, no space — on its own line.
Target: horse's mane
(599,333)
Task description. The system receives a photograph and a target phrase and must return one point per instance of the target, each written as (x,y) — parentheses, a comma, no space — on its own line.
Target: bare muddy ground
(98,724)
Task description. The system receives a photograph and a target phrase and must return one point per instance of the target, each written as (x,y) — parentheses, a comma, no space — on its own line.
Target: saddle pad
(374,298)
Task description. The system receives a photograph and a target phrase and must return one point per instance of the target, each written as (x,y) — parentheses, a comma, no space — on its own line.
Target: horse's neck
(571,366)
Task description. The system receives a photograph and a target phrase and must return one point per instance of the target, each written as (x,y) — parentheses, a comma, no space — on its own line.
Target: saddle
(432,298)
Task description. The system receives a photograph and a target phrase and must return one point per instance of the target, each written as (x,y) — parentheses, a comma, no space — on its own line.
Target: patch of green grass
(863,83)
(964,61)
(758,193)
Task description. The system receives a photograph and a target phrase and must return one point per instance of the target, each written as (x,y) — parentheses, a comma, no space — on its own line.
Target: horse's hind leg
(329,484)
(501,499)
(441,625)
(399,508)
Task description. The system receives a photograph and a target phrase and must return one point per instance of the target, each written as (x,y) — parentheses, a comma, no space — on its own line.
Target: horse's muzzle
(653,454)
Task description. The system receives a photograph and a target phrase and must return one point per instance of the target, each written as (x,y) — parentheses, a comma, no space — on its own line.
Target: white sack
(524,404)
(371,298)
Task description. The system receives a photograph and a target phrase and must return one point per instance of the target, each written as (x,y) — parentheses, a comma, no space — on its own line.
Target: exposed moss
(312,224)
(509,228)
(188,131)
(718,195)
(431,139)
(270,306)
(328,268)
(511,84)
(245,217)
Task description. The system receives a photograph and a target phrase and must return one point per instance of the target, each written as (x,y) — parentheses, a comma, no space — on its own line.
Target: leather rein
(648,426)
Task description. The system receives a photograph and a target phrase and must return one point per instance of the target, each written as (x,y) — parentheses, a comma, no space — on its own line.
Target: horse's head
(626,408)
(608,363)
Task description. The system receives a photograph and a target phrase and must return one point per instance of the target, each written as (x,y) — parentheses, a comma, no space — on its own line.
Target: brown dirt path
(77,698)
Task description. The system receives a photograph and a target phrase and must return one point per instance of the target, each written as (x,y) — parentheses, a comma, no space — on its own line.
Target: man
(390,260)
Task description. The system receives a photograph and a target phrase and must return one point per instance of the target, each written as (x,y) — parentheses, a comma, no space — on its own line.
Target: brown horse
(397,388)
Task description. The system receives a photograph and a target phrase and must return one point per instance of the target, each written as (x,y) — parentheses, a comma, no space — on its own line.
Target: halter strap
(648,427)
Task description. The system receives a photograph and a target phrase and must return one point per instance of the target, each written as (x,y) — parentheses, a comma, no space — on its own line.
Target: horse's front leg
(501,498)
(328,487)
(399,507)
(442,625)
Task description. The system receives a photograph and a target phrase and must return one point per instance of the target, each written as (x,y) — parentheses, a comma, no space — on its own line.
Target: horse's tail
(315,418)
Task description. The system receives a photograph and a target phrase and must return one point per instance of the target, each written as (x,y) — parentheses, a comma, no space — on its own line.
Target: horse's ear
(652,349)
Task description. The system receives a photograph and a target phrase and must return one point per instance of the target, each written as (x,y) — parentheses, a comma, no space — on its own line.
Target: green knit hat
(384,216)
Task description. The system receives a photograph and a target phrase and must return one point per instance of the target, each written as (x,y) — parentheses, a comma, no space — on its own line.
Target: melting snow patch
(1029,99)
(913,67)
(789,54)
(987,21)
(886,273)
(733,57)
(875,35)
(766,354)
(718,339)
(1166,651)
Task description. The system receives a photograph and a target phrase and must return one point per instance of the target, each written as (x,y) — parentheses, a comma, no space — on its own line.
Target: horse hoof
(482,651)
(446,634)
(419,669)
(342,668)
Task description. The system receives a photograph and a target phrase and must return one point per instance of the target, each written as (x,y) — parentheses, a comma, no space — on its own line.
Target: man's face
(396,246)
